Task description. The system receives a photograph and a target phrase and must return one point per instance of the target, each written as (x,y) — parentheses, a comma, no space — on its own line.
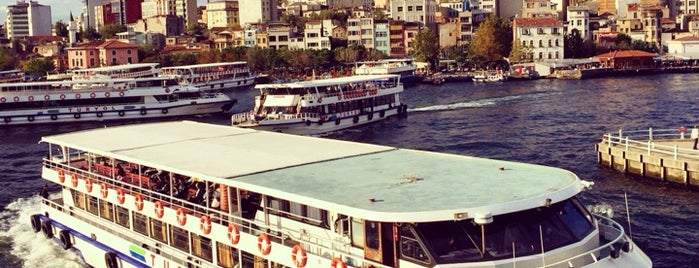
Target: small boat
(188,194)
(490,77)
(213,76)
(404,67)
(99,100)
(319,106)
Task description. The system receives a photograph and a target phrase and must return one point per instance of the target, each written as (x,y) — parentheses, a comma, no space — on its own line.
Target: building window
(541,43)
(410,8)
(418,8)
(524,43)
(128,51)
(541,55)
(557,42)
(550,43)
(113,52)
(400,9)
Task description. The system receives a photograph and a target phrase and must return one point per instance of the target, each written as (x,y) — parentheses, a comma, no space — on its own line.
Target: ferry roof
(329,81)
(373,182)
(116,67)
(206,65)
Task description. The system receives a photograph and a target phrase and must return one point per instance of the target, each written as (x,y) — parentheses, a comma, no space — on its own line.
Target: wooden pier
(665,155)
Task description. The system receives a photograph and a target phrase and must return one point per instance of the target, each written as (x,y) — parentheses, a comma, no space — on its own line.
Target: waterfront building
(383,41)
(101,53)
(27,19)
(652,25)
(257,11)
(103,16)
(418,11)
(88,15)
(578,18)
(628,60)
(684,47)
(278,35)
(543,37)
(222,14)
(469,20)
(360,31)
(314,37)
(397,38)
(448,33)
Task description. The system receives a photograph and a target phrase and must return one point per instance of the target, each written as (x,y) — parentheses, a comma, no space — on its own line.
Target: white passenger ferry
(187,194)
(125,71)
(210,76)
(404,67)
(318,106)
(12,76)
(97,100)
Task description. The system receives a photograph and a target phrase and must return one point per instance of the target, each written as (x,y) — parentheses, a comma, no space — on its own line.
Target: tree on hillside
(425,47)
(458,53)
(262,59)
(492,40)
(8,60)
(110,30)
(519,52)
(91,34)
(38,66)
(573,45)
(61,28)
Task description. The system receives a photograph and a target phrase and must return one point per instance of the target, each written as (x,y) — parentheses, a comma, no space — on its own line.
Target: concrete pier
(666,155)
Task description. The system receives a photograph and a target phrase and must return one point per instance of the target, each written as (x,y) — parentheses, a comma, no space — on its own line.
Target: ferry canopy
(362,180)
(331,81)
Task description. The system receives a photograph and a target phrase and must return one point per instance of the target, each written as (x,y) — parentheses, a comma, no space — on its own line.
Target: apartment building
(27,19)
(258,11)
(222,14)
(418,11)
(542,37)
(101,53)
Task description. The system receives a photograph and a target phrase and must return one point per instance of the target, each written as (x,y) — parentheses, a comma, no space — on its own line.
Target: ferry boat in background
(12,76)
(211,76)
(324,105)
(405,67)
(97,100)
(490,76)
(126,201)
(134,70)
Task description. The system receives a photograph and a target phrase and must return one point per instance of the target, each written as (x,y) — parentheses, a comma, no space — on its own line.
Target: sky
(60,9)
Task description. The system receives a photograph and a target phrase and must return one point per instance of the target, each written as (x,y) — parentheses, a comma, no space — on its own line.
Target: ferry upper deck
(370,181)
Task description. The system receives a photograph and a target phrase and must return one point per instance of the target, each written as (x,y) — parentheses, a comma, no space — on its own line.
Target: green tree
(8,59)
(38,66)
(110,30)
(573,45)
(61,28)
(425,47)
(262,59)
(492,41)
(518,53)
(91,34)
(458,53)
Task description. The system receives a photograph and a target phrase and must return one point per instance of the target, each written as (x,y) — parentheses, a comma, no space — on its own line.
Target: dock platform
(663,154)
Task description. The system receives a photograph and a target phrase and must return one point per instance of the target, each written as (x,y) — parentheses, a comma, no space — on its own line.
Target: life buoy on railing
(355,119)
(683,130)
(121,113)
(308,122)
(88,185)
(205,224)
(99,114)
(30,98)
(8,119)
(93,95)
(120,196)
(320,99)
(143,112)
(181,217)
(3,99)
(77,95)
(138,202)
(167,90)
(263,244)
(233,234)
(61,175)
(54,117)
(76,116)
(16,98)
(104,190)
(164,111)
(74,179)
(30,118)
(47,97)
(107,94)
(121,93)
(298,256)
(338,263)
(159,209)
(339,96)
(337,121)
(62,96)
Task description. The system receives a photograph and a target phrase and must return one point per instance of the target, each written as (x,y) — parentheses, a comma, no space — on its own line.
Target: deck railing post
(626,144)
(676,152)
(621,134)
(609,139)
(649,147)
(650,134)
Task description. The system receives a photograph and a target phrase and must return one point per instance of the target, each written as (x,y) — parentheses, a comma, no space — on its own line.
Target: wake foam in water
(33,249)
(469,104)
(603,209)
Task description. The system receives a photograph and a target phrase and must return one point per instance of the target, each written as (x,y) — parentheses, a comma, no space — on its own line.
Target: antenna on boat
(514,256)
(628,215)
(541,238)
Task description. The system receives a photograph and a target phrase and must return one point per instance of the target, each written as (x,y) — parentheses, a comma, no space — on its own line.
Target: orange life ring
(106,94)
(93,95)
(233,234)
(205,224)
(88,185)
(104,190)
(47,97)
(30,98)
(61,175)
(120,196)
(16,98)
(159,209)
(263,244)
(138,202)
(181,217)
(74,179)
(338,261)
(3,99)
(77,95)
(63,96)
(683,130)
(121,93)
(298,256)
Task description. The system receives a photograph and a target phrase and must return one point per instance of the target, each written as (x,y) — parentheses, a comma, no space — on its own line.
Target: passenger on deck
(198,196)
(180,188)
(120,172)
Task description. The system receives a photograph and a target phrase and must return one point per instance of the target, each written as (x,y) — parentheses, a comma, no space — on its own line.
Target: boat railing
(653,142)
(614,244)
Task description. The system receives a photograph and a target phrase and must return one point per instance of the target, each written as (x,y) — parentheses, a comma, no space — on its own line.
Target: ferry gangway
(654,141)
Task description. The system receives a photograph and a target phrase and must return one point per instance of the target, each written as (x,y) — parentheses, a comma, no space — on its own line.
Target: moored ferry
(97,100)
(404,67)
(213,76)
(187,194)
(125,71)
(324,105)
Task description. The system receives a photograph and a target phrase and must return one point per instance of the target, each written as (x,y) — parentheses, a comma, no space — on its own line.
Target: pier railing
(649,141)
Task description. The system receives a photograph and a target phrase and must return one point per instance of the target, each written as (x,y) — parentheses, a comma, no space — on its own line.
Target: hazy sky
(60,9)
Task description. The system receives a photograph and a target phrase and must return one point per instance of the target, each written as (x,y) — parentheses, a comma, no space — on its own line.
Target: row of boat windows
(99,103)
(345,88)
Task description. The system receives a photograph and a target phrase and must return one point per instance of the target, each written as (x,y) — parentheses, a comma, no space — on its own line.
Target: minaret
(72,31)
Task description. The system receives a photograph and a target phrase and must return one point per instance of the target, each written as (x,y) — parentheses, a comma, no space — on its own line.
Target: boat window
(179,238)
(78,198)
(92,205)
(158,230)
(559,224)
(410,247)
(106,210)
(140,223)
(201,247)
(357,233)
(122,216)
(372,234)
(226,256)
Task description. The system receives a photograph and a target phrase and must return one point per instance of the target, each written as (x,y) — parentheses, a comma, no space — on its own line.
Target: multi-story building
(101,53)
(411,30)
(579,19)
(651,17)
(168,25)
(448,34)
(382,32)
(313,36)
(278,35)
(222,14)
(258,11)
(126,11)
(27,19)
(103,16)
(225,37)
(542,37)
(88,16)
(186,9)
(360,31)
(397,38)
(606,6)
(250,39)
(468,22)
(538,8)
(419,11)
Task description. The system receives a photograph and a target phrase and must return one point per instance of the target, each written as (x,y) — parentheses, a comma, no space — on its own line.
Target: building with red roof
(101,53)
(628,60)
(542,37)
